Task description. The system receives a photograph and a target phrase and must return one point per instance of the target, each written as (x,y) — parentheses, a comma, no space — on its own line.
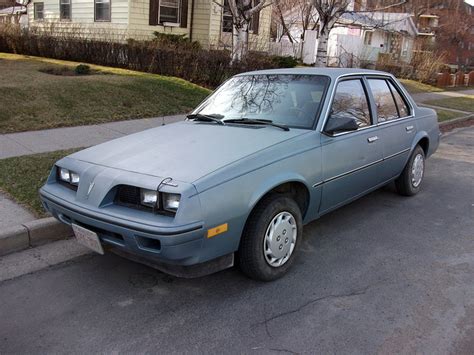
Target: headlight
(68,176)
(171,202)
(149,198)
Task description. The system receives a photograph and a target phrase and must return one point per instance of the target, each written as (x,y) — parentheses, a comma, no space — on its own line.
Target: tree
(290,13)
(242,12)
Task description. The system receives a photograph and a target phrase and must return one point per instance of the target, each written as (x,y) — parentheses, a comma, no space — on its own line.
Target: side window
(386,108)
(403,109)
(350,100)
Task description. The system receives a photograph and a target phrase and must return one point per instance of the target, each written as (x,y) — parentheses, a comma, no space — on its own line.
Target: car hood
(185,150)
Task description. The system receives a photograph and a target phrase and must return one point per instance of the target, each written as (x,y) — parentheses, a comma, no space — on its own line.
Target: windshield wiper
(257,121)
(206,118)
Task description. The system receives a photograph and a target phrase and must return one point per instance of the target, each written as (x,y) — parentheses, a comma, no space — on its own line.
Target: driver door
(351,160)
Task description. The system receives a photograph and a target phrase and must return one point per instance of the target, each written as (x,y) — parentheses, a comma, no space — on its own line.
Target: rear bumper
(180,246)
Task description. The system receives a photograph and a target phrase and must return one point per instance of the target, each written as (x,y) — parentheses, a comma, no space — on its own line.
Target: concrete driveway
(385,274)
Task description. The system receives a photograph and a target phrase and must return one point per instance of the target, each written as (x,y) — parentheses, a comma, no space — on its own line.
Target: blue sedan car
(266,153)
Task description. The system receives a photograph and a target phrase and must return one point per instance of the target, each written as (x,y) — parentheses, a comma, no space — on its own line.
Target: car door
(396,122)
(350,160)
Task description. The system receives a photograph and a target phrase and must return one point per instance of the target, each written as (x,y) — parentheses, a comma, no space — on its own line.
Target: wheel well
(424,144)
(297,190)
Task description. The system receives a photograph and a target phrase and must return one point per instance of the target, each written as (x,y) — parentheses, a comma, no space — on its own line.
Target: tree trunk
(322,52)
(240,43)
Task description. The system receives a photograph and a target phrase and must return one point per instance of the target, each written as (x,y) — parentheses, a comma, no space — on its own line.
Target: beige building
(200,20)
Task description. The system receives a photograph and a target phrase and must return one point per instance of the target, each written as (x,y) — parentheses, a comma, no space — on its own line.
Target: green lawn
(21,177)
(32,99)
(415,87)
(446,115)
(465,103)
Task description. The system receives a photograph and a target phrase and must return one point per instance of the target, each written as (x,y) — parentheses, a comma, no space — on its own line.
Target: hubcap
(417,170)
(280,239)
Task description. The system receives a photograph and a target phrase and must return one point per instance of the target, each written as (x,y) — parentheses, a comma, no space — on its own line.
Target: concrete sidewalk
(12,214)
(32,142)
(429,96)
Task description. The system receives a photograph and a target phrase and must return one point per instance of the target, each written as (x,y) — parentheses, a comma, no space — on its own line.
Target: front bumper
(175,246)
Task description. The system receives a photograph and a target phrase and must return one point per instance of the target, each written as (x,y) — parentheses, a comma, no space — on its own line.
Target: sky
(470,2)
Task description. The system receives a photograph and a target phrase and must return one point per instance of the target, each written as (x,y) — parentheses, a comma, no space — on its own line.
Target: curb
(32,234)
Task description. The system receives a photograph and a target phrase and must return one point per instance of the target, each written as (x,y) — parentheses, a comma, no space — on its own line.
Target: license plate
(87,238)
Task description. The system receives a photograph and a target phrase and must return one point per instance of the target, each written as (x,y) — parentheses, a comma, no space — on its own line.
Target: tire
(284,214)
(410,181)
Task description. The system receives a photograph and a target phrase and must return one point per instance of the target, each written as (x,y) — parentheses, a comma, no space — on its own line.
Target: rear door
(350,160)
(397,127)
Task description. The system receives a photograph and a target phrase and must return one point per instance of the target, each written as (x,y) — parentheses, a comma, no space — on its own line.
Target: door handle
(372,139)
(409,128)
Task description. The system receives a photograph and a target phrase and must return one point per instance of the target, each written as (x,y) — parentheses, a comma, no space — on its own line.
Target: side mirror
(338,124)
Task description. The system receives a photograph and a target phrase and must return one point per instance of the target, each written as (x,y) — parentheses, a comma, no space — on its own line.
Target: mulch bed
(451,126)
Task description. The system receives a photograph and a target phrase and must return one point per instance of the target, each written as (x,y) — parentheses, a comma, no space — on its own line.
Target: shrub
(427,65)
(166,54)
(82,69)
(285,61)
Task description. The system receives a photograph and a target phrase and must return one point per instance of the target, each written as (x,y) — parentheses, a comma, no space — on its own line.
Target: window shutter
(184,14)
(255,22)
(154,8)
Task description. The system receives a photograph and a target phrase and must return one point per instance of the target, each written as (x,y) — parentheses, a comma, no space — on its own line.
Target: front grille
(130,196)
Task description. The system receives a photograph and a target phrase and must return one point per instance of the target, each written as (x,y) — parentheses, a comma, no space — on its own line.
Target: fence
(284,48)
(457,79)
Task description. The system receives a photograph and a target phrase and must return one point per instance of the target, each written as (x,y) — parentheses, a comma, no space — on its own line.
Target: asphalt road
(385,274)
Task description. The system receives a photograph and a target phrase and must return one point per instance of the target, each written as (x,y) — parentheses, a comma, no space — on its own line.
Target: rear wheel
(409,182)
(271,238)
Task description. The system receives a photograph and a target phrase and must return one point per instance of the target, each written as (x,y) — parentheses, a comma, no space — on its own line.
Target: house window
(169,11)
(368,38)
(102,10)
(65,9)
(39,10)
(227,20)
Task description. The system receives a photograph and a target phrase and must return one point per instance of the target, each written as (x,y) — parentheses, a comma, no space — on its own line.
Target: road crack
(311,302)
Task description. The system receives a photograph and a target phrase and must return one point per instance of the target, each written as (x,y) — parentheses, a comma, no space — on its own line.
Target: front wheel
(271,238)
(409,182)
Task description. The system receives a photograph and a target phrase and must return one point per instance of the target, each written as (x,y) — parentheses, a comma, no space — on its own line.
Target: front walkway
(26,143)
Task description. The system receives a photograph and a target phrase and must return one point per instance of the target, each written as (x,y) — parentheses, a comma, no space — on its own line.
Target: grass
(464,103)
(415,87)
(33,100)
(446,115)
(21,177)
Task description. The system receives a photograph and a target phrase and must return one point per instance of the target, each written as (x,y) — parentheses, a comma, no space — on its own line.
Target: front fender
(268,185)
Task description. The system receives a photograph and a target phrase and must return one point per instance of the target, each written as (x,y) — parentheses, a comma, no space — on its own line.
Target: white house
(356,38)
(205,21)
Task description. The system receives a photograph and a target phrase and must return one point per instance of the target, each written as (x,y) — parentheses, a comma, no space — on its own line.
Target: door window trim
(366,76)
(340,79)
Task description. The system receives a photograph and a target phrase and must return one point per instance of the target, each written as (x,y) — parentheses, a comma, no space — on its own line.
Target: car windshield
(287,99)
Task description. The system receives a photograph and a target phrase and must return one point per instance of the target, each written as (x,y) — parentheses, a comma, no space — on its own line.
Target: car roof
(331,72)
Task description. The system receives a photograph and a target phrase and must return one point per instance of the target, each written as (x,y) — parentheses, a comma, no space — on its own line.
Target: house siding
(202,21)
(82,19)
(130,19)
